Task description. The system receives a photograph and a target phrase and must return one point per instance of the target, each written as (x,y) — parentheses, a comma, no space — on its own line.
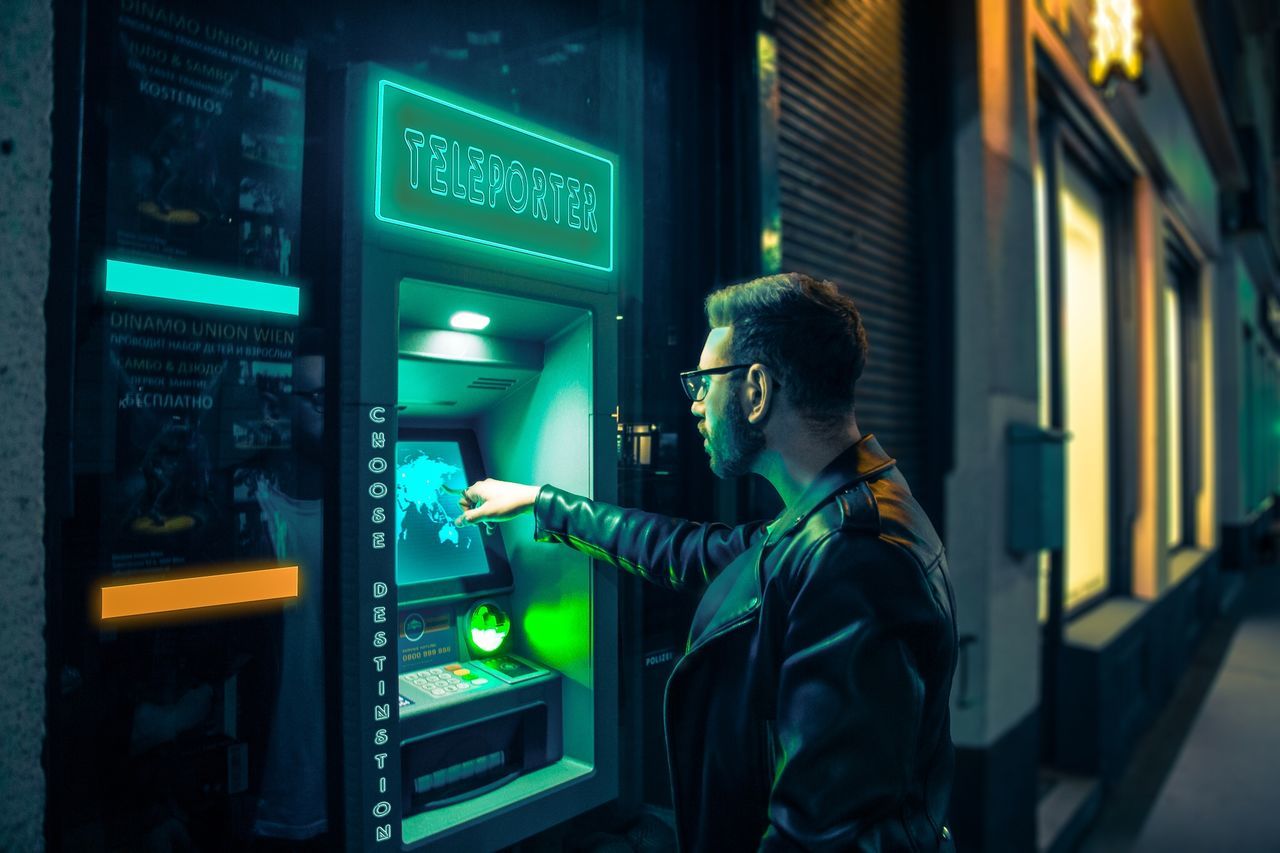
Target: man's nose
(699,408)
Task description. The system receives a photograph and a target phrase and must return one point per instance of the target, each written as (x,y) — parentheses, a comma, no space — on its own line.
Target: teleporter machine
(480,683)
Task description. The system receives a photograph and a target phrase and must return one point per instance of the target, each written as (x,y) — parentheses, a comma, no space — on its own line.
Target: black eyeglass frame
(698,392)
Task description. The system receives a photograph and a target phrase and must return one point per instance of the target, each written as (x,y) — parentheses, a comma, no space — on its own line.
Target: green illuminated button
(489,627)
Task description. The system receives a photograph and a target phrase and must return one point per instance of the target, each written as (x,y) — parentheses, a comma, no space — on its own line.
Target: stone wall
(26,99)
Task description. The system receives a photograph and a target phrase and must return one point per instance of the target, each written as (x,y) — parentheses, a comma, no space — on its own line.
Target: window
(1249,461)
(1044,362)
(1173,379)
(1084,376)
(1179,319)
(213,136)
(1084,237)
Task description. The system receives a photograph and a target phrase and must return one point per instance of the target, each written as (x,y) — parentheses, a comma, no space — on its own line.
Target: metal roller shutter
(845,192)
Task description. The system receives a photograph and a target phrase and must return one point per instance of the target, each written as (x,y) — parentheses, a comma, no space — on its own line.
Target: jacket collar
(860,461)
(733,595)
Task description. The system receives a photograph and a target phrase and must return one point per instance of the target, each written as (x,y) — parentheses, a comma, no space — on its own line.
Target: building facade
(1097,159)
(1058,217)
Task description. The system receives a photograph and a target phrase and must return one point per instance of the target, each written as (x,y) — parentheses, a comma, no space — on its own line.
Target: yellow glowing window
(1085,367)
(1043,360)
(1173,415)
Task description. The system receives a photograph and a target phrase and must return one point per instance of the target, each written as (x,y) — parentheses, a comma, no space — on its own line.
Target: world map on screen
(430,476)
(420,486)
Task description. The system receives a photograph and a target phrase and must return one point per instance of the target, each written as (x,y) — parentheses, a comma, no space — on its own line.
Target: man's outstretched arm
(670,552)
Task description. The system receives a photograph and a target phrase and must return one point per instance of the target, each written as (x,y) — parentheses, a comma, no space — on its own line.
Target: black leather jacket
(810,710)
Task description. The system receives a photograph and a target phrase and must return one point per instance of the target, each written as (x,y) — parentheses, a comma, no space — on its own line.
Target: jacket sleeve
(850,700)
(669,552)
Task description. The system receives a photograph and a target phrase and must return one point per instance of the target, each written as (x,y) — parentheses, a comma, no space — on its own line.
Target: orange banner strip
(143,597)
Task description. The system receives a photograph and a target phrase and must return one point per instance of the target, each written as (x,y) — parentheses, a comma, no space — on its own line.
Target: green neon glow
(133,279)
(446,169)
(489,627)
(559,635)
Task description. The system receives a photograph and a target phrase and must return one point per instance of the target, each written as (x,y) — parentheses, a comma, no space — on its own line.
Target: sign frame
(461,105)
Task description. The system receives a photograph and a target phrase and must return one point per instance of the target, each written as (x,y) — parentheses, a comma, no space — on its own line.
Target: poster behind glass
(198,429)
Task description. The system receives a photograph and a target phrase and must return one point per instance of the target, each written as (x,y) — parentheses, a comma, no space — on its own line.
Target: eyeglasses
(697,382)
(315,398)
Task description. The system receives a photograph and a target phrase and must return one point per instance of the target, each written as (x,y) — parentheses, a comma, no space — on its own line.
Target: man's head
(798,342)
(308,397)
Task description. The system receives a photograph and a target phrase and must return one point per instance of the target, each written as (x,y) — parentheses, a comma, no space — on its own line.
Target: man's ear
(759,394)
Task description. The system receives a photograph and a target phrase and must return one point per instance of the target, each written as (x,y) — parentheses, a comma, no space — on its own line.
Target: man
(810,710)
(291,806)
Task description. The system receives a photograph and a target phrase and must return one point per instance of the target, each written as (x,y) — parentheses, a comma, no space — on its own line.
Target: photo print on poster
(205,131)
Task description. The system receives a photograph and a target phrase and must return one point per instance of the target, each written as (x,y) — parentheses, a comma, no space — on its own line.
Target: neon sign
(454,171)
(1059,12)
(188,286)
(1115,40)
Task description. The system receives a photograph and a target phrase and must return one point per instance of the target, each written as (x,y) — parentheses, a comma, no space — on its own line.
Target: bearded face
(733,443)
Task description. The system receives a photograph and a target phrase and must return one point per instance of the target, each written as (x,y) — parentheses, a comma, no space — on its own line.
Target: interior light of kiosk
(133,279)
(469,321)
(452,346)
(489,627)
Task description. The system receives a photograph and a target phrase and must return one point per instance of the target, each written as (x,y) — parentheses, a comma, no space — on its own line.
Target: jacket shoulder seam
(925,569)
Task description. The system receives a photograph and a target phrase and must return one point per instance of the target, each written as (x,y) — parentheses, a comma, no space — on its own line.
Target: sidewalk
(1217,787)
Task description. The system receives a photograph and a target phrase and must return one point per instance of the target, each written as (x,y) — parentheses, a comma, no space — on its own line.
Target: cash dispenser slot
(470,746)
(450,766)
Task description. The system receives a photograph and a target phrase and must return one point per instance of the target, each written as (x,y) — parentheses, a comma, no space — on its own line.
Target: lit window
(1044,362)
(1173,370)
(1084,368)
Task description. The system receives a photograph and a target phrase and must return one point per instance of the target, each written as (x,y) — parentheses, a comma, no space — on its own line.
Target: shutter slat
(845,192)
(820,185)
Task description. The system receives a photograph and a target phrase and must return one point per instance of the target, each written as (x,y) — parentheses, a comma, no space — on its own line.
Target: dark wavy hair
(806,331)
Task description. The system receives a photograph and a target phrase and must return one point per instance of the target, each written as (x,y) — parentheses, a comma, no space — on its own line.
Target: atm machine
(478,338)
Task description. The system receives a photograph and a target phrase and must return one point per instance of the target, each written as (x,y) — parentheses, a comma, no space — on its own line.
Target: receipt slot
(478,338)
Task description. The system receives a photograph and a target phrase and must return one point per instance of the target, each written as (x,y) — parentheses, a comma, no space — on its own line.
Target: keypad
(444,681)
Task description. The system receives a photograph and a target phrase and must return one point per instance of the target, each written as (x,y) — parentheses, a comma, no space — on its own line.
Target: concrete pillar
(26,100)
(994,705)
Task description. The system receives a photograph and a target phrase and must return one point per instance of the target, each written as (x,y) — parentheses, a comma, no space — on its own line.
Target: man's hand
(495,500)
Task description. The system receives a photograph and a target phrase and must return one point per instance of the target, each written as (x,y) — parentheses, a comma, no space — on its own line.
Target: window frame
(1066,130)
(1181,274)
(1066,135)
